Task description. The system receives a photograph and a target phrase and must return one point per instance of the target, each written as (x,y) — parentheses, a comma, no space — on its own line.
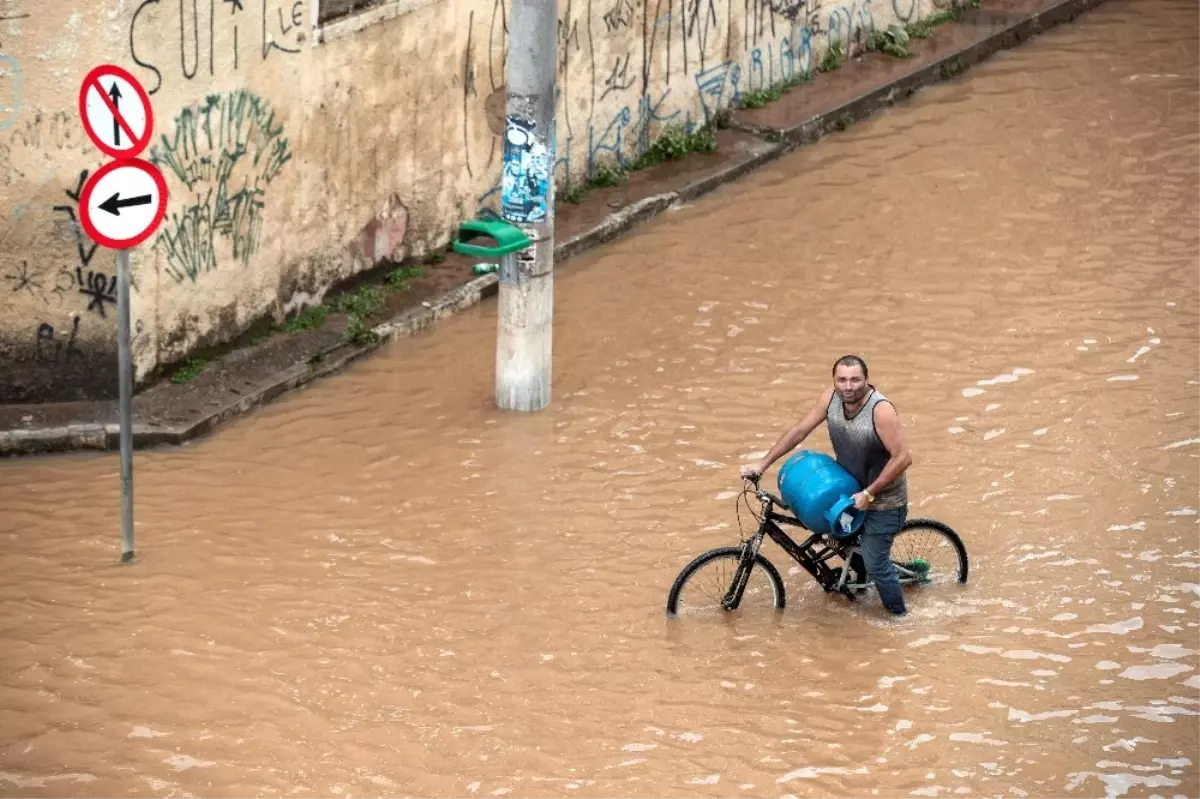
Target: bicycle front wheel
(704,583)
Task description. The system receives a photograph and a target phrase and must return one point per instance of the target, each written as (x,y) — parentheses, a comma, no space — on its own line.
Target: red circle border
(85,216)
(94,77)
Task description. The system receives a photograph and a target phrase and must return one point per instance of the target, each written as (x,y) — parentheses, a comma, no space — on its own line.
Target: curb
(949,66)
(775,143)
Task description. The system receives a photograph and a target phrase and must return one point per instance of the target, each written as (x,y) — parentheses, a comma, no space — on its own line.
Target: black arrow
(115,94)
(114,204)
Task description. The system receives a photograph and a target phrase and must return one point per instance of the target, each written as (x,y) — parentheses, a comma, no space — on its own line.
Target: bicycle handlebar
(763,494)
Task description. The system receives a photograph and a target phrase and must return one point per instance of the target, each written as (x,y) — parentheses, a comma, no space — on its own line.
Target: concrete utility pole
(526,312)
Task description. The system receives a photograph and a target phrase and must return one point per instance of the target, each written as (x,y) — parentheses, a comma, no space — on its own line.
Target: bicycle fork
(741,577)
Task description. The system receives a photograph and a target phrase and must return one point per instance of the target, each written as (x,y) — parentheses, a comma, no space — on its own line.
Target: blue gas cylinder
(821,494)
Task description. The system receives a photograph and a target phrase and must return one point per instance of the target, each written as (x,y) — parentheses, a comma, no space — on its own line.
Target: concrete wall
(300,151)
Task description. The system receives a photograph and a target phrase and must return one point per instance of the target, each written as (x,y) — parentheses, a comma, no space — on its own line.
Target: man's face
(850,384)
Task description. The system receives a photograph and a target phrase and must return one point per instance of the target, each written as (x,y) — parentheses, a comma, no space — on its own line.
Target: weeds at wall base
(760,97)
(834,57)
(189,371)
(360,305)
(674,143)
(894,41)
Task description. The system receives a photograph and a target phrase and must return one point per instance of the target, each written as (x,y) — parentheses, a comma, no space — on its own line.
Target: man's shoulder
(882,403)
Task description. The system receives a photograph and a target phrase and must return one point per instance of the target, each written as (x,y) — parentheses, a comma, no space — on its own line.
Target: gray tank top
(860,451)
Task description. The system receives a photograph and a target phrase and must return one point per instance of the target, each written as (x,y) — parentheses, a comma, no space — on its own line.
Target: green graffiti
(226,151)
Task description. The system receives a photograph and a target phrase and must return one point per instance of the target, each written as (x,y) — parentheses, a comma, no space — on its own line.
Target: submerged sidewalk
(244,378)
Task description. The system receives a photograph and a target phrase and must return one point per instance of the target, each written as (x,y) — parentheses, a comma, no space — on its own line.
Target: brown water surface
(384,586)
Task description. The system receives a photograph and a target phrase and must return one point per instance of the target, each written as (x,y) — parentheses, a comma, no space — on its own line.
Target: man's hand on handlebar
(753,472)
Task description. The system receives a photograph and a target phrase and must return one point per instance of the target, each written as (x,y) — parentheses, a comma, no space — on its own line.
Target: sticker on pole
(116,111)
(123,203)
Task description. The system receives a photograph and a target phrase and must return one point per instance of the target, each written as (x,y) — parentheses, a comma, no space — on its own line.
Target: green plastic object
(509,238)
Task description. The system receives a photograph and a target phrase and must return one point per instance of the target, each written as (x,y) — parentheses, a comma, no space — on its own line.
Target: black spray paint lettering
(82,242)
(100,287)
(23,280)
(279,32)
(133,46)
(50,348)
(619,16)
(618,79)
(269,42)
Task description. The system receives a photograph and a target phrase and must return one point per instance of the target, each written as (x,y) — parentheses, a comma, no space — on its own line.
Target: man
(868,442)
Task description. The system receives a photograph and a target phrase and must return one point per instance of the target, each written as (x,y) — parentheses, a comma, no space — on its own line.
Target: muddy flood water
(384,586)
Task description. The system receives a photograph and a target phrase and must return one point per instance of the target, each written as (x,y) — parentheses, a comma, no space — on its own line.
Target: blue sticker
(525,187)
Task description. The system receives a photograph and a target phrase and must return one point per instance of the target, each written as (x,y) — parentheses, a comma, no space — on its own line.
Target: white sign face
(123,203)
(116,111)
(104,122)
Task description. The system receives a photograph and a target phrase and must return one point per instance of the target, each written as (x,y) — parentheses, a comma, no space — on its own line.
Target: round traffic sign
(116,111)
(123,203)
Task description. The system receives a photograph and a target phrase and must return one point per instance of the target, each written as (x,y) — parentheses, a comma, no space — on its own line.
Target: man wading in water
(868,442)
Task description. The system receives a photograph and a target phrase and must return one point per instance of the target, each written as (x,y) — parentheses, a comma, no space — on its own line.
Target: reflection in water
(382,585)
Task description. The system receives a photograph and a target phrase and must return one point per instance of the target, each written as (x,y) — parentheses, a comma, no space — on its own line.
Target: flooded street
(384,586)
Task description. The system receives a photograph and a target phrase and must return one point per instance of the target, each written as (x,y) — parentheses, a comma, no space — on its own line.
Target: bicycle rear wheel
(704,582)
(931,551)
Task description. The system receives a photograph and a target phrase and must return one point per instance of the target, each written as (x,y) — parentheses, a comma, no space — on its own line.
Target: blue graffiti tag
(851,26)
(613,133)
(647,116)
(757,77)
(711,83)
(528,169)
(787,60)
(9,113)
(804,51)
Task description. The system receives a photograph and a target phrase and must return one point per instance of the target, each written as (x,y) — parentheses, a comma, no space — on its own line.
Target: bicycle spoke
(706,589)
(928,555)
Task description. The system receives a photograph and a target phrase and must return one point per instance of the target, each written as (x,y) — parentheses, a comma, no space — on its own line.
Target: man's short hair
(851,360)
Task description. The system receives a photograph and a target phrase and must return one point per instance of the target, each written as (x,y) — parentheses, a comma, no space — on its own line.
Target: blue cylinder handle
(833,516)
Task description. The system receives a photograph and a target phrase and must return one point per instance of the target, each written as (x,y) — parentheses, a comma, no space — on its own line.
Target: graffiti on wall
(226,152)
(61,276)
(48,275)
(10,91)
(57,347)
(10,78)
(851,24)
(651,63)
(250,31)
(527,179)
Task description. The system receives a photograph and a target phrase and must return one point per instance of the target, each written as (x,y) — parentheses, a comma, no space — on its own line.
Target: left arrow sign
(123,203)
(114,204)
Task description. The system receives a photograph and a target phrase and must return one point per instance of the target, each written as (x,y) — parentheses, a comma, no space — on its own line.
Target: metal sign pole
(125,389)
(120,206)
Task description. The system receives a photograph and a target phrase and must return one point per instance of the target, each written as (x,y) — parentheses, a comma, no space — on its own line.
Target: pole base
(127,557)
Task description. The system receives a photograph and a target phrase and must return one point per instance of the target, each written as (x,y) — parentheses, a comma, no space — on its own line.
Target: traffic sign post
(121,205)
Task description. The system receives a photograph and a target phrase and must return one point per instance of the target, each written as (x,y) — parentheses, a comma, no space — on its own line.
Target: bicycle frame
(813,554)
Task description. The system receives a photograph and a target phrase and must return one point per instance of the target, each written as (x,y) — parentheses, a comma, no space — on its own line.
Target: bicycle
(850,579)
